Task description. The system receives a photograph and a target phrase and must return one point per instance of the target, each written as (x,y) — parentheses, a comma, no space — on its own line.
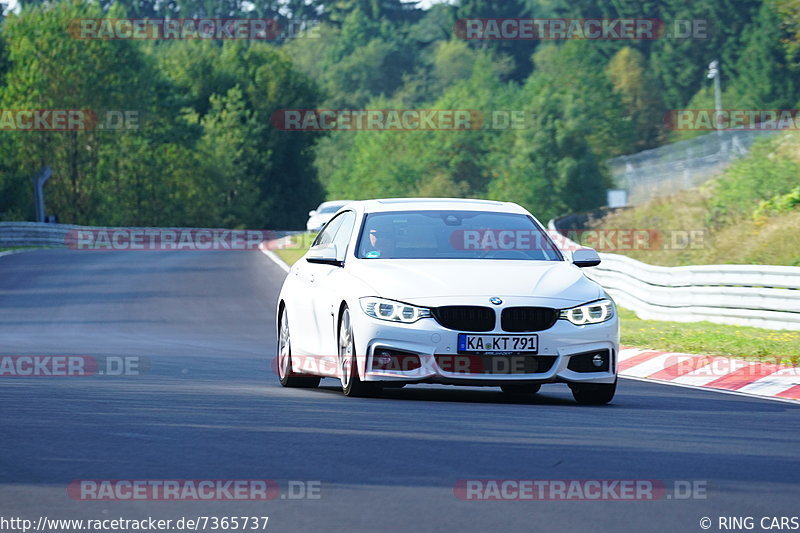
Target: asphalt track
(209,406)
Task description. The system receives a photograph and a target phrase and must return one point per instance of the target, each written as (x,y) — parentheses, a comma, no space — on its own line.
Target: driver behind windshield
(379,241)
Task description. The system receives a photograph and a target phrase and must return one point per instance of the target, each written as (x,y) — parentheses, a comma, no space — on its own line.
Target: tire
(348,363)
(285,374)
(593,393)
(513,389)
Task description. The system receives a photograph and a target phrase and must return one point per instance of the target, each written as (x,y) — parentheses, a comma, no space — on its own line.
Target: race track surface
(207,405)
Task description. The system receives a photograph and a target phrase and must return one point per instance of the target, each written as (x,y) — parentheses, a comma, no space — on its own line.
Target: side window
(329,231)
(343,234)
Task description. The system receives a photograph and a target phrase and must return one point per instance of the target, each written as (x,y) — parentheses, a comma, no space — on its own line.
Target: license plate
(468,343)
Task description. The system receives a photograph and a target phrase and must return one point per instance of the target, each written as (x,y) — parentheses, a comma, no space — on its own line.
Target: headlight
(393,311)
(591,313)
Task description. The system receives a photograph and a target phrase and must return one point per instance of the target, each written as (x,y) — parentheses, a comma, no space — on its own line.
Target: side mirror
(324,254)
(585,257)
(312,212)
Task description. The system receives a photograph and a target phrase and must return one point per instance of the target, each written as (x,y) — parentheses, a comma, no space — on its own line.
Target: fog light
(391,360)
(384,358)
(598,360)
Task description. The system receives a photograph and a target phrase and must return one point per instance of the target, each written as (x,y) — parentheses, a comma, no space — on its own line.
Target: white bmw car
(460,292)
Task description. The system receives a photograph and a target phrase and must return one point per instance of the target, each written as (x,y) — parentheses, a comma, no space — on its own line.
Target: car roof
(435,204)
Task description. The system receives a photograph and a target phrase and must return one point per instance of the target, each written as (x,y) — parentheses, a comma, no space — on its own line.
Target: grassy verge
(302,242)
(746,215)
(290,256)
(17,248)
(768,241)
(712,339)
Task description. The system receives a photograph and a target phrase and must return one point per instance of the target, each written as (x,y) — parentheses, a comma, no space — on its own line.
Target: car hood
(425,281)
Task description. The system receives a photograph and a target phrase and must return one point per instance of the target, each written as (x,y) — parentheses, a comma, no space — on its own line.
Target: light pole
(714,72)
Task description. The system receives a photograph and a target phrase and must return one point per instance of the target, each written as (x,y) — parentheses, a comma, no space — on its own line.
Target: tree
(393,11)
(50,71)
(518,50)
(230,150)
(764,77)
(680,63)
(552,169)
(641,95)
(569,74)
(279,163)
(789,13)
(446,162)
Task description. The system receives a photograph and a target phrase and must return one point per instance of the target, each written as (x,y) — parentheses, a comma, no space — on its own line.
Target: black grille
(465,317)
(519,319)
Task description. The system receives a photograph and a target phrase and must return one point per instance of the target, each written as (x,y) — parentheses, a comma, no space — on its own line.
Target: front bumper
(440,362)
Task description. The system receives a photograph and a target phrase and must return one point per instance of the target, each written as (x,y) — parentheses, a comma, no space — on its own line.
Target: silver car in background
(323,213)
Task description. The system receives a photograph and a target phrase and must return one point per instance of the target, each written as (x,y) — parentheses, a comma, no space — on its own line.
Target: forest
(184,129)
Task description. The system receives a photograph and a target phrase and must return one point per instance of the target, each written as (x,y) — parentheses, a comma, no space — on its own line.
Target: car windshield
(454,235)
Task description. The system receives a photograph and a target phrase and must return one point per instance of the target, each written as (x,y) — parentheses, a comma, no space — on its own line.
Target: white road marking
(277,260)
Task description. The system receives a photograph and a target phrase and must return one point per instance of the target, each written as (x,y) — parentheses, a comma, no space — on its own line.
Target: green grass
(302,242)
(17,248)
(290,255)
(710,339)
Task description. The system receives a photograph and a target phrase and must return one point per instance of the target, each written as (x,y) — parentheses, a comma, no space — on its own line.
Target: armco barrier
(14,234)
(746,295)
(33,234)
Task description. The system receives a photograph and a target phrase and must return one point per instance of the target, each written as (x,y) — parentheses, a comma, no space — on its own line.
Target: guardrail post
(38,192)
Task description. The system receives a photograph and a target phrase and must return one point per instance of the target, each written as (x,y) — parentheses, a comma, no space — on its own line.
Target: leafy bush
(770,170)
(782,203)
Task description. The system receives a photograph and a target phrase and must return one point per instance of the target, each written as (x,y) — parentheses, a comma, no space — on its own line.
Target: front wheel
(285,374)
(348,364)
(593,393)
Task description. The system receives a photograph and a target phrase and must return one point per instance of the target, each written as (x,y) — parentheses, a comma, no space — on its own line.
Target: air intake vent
(465,317)
(521,319)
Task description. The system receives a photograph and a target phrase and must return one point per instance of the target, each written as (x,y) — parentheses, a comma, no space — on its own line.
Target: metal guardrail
(14,234)
(747,295)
